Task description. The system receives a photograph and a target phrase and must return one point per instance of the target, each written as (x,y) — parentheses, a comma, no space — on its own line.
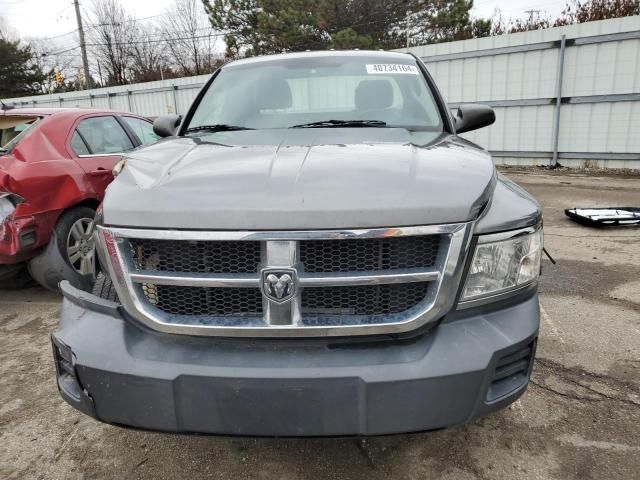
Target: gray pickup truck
(311,251)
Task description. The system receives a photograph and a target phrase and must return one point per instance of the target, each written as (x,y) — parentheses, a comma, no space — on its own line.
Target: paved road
(579,419)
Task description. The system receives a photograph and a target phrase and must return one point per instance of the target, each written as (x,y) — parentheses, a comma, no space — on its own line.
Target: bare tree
(59,67)
(575,11)
(148,57)
(111,34)
(580,11)
(190,38)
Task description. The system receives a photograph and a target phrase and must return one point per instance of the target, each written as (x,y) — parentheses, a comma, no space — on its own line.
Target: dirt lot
(580,417)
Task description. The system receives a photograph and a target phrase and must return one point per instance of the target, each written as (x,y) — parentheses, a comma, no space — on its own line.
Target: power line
(141,42)
(60,52)
(130,20)
(535,6)
(94,25)
(57,36)
(160,40)
(168,34)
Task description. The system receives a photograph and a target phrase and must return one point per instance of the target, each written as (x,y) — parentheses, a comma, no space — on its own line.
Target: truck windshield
(318,92)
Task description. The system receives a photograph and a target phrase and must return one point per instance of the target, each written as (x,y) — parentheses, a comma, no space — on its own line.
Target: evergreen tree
(290,25)
(239,18)
(256,27)
(19,75)
(438,22)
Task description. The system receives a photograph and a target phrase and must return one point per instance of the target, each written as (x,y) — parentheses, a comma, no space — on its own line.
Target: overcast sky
(46,18)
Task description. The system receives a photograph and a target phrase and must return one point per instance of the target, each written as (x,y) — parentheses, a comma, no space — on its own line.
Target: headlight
(502,265)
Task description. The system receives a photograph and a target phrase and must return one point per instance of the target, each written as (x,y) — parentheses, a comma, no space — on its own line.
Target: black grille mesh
(201,301)
(362,299)
(196,256)
(360,255)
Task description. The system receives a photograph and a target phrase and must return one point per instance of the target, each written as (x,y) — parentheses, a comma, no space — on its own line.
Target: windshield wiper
(342,123)
(218,127)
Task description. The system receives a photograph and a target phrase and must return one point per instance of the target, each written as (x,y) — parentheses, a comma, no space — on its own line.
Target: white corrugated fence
(598,104)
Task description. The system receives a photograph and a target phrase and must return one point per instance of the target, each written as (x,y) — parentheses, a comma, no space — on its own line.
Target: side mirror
(166,125)
(473,116)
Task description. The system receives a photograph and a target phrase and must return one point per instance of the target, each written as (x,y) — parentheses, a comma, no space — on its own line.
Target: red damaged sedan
(54,167)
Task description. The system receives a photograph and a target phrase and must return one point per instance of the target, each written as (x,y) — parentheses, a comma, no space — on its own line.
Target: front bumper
(476,361)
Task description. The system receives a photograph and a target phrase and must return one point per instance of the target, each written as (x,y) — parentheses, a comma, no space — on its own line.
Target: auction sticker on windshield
(392,68)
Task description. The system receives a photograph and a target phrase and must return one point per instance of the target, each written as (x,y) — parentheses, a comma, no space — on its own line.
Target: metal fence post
(556,119)
(129,100)
(175,99)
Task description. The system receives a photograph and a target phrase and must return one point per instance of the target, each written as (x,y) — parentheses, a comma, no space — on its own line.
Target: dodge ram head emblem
(279,284)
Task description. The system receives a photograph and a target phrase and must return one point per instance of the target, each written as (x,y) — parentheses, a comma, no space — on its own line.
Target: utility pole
(100,75)
(83,46)
(408,13)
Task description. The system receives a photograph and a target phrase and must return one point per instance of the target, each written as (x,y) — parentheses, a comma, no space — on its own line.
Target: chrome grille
(363,255)
(350,282)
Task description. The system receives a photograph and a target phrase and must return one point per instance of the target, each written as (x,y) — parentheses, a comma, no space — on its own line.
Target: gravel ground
(579,419)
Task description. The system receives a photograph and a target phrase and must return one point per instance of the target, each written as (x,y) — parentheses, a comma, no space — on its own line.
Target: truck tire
(14,277)
(103,288)
(70,253)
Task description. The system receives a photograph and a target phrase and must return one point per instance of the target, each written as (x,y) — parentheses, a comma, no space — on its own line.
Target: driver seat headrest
(274,94)
(374,94)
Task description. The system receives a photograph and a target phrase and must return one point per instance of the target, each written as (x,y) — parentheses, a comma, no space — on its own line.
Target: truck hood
(302,179)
